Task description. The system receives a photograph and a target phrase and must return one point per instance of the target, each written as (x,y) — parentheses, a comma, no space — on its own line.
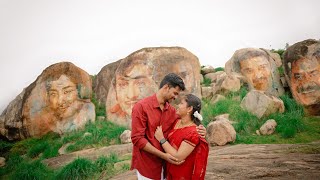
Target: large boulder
(102,81)
(2,161)
(58,101)
(261,104)
(220,132)
(259,69)
(207,69)
(302,71)
(226,84)
(139,75)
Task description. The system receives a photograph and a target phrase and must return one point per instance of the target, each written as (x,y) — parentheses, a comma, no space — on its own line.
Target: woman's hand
(159,134)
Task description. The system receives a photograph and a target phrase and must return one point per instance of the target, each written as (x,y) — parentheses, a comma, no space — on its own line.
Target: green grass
(206,81)
(279,51)
(293,126)
(103,133)
(78,169)
(33,170)
(219,69)
(100,109)
(85,169)
(281,71)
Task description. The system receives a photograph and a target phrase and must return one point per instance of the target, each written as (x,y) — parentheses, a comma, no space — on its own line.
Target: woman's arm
(182,153)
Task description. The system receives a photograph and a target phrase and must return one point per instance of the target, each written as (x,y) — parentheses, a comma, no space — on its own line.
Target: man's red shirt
(146,116)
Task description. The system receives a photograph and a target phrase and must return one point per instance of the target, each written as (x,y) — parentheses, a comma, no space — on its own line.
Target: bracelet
(162,141)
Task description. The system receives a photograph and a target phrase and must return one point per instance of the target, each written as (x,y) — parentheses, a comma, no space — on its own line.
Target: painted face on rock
(257,71)
(305,81)
(62,94)
(133,85)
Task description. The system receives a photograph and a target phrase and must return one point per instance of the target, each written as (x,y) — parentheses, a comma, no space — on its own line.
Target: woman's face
(183,108)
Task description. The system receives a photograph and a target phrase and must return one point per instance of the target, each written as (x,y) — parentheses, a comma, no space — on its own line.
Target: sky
(93,33)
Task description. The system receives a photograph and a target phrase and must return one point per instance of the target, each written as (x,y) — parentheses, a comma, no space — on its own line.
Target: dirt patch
(260,161)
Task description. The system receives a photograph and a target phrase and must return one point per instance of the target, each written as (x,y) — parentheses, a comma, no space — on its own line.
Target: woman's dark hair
(173,80)
(195,102)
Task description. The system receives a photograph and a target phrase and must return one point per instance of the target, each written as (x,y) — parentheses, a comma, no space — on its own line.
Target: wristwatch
(162,141)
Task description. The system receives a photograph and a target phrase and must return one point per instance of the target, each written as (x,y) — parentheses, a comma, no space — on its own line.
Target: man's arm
(202,131)
(139,124)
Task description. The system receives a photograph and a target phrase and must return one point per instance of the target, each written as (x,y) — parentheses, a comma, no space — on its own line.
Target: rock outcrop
(58,101)
(139,75)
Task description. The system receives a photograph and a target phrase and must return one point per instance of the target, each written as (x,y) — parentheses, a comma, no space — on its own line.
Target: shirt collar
(156,104)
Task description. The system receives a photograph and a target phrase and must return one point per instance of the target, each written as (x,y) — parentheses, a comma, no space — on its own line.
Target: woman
(184,142)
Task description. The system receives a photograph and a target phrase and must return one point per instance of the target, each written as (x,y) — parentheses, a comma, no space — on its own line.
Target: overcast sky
(93,33)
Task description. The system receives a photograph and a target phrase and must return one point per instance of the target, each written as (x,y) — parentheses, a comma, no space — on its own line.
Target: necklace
(180,125)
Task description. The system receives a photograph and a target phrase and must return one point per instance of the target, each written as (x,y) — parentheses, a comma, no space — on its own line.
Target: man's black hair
(173,80)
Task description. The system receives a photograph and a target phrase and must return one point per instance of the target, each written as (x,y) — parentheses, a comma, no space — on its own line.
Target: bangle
(162,141)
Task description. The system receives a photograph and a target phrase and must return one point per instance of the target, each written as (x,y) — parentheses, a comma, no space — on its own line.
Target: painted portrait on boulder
(302,70)
(60,101)
(139,76)
(258,69)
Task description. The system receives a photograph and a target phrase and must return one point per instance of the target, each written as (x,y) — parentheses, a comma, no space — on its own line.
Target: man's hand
(172,160)
(159,134)
(202,131)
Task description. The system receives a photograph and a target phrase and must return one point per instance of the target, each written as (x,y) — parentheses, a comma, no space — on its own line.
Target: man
(302,69)
(147,114)
(258,69)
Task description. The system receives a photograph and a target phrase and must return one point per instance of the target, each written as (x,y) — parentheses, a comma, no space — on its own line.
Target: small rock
(2,161)
(206,92)
(101,118)
(207,69)
(216,98)
(268,127)
(258,132)
(125,137)
(63,149)
(220,132)
(87,134)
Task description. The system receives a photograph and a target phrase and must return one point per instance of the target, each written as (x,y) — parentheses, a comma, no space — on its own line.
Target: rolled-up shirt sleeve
(139,124)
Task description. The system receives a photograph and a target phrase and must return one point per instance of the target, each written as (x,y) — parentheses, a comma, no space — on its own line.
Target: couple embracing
(169,143)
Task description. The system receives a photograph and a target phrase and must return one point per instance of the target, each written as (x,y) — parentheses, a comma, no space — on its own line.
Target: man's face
(305,81)
(133,85)
(257,70)
(62,94)
(172,93)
